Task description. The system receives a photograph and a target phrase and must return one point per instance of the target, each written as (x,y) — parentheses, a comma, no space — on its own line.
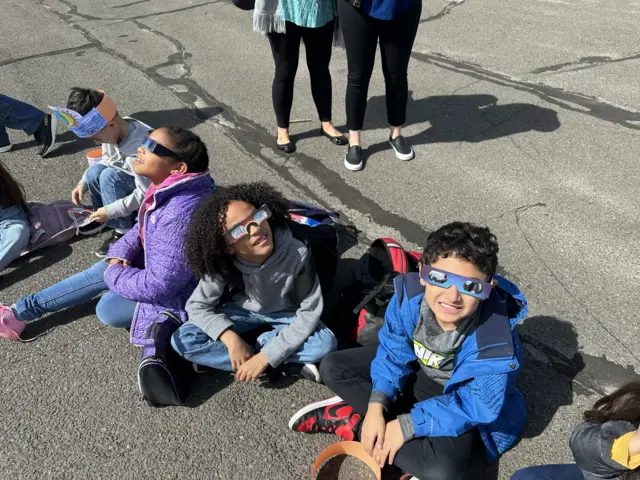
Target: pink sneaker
(10,327)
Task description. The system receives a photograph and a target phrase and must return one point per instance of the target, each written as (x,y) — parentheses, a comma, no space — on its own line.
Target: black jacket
(591,446)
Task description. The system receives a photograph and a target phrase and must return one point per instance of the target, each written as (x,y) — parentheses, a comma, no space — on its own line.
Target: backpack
(360,309)
(164,378)
(52,223)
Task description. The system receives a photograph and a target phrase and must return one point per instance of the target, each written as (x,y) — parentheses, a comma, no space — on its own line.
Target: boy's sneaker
(104,248)
(353,158)
(10,327)
(5,148)
(309,371)
(91,228)
(326,416)
(408,476)
(402,147)
(199,368)
(45,135)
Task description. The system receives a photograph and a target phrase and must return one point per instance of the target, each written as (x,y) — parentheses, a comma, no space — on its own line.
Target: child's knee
(330,364)
(93,173)
(108,176)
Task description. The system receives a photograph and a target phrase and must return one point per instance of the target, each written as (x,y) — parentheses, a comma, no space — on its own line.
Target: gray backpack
(53,223)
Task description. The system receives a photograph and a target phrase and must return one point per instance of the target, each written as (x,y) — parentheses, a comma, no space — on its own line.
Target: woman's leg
(360,34)
(75,290)
(396,42)
(115,311)
(286,51)
(318,43)
(14,237)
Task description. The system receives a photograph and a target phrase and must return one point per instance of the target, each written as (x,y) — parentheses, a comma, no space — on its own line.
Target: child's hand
(239,350)
(114,261)
(373,429)
(252,368)
(100,215)
(76,194)
(393,441)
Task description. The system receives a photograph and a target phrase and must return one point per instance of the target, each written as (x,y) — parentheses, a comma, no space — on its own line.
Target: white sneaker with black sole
(311,372)
(353,158)
(402,148)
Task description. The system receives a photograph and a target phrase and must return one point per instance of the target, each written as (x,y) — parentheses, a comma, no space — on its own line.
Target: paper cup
(94,156)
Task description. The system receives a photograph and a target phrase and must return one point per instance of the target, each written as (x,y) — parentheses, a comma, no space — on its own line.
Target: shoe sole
(52,126)
(91,232)
(100,254)
(312,406)
(6,148)
(352,167)
(403,156)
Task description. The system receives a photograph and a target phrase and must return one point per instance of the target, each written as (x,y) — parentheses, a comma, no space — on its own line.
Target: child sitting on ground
(443,376)
(14,226)
(241,238)
(115,189)
(146,274)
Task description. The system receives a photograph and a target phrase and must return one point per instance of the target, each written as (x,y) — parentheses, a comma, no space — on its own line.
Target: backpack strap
(409,284)
(397,254)
(493,335)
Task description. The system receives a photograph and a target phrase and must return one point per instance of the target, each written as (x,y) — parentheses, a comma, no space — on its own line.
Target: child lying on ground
(147,273)
(443,376)
(14,226)
(241,238)
(115,188)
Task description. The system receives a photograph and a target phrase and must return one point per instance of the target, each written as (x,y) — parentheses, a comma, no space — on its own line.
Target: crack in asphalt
(585,63)
(445,11)
(80,48)
(572,101)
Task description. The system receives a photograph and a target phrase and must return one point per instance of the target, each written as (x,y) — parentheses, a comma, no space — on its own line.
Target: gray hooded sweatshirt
(285,282)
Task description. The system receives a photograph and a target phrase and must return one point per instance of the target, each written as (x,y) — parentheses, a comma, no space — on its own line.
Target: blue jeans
(17,115)
(549,472)
(78,289)
(194,345)
(14,234)
(106,185)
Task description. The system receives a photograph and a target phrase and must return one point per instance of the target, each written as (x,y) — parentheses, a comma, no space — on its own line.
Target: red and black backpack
(359,312)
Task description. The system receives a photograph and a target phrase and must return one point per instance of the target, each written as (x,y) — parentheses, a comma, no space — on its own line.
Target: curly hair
(464,240)
(206,246)
(189,146)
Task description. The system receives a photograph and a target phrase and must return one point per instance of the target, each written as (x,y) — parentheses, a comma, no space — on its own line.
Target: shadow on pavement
(36,262)
(39,327)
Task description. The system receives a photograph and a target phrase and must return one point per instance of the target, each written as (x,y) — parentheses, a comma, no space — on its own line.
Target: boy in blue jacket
(442,381)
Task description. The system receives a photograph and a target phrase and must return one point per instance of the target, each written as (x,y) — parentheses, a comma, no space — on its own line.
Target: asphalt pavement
(524,117)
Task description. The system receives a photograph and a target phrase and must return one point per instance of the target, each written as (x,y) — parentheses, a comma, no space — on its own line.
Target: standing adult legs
(285,48)
(396,42)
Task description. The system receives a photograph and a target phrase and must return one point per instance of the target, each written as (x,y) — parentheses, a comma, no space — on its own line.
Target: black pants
(318,43)
(361,33)
(347,373)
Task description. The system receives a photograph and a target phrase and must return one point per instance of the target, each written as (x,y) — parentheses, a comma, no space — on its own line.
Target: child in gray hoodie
(253,274)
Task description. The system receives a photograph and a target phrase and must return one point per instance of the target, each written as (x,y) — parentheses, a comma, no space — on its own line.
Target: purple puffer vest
(166,282)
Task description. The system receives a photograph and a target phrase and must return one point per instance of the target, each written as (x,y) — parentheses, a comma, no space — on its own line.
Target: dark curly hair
(464,240)
(189,146)
(206,247)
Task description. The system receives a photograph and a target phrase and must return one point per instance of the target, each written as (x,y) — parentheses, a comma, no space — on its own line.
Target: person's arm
(626,450)
(476,402)
(202,308)
(391,366)
(127,247)
(131,203)
(289,339)
(167,274)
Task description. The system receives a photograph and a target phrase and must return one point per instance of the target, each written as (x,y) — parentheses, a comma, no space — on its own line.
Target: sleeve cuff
(381,398)
(273,354)
(406,426)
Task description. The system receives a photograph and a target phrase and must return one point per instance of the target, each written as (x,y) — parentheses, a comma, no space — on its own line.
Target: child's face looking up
(155,167)
(257,246)
(448,305)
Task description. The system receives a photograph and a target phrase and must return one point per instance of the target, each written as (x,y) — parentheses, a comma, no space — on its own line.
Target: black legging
(347,374)
(318,43)
(361,33)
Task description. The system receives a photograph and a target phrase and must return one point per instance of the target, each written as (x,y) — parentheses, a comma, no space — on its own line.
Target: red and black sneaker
(326,416)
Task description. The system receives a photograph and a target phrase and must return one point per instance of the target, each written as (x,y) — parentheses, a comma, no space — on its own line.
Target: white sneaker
(311,372)
(6,148)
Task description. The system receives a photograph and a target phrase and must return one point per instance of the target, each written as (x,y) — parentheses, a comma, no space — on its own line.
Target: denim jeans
(14,234)
(112,309)
(194,345)
(549,472)
(106,185)
(17,115)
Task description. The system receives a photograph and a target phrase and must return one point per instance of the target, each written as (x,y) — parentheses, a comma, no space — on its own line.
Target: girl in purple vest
(145,272)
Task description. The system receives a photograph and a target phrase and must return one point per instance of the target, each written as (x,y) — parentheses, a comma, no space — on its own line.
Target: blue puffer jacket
(481,391)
